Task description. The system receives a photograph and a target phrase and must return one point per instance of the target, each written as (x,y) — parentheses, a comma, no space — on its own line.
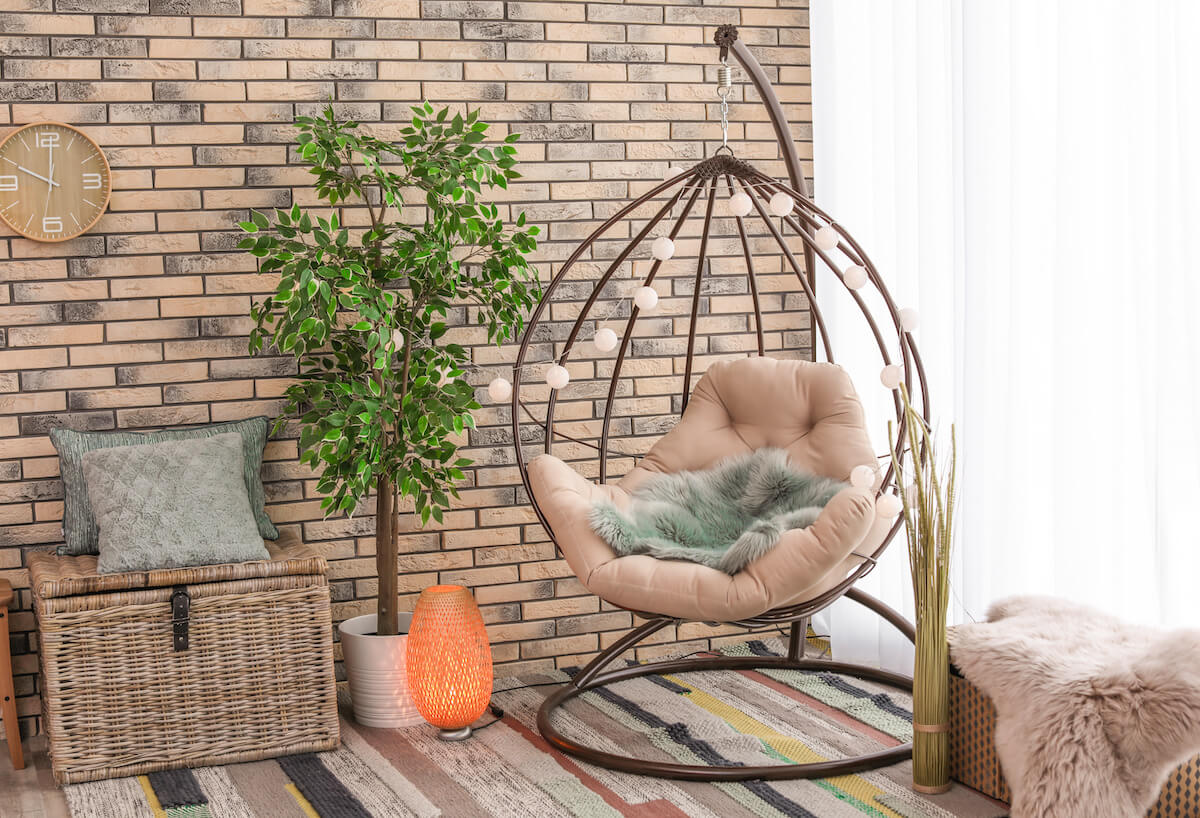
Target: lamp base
(454,735)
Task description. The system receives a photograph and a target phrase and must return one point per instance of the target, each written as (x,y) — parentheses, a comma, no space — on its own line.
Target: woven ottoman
(973,759)
(154,670)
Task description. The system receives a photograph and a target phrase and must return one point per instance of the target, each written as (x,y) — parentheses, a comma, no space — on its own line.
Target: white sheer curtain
(1026,175)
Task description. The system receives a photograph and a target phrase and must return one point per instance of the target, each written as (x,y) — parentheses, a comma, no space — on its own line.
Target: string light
(855,276)
(862,477)
(605,340)
(781,204)
(557,377)
(739,204)
(827,237)
(662,248)
(500,389)
(646,298)
(888,506)
(891,375)
(910,319)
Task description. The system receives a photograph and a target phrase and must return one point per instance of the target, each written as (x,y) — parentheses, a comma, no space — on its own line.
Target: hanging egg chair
(745,400)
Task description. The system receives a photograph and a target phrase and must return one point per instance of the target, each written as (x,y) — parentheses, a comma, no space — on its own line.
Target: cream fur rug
(1092,714)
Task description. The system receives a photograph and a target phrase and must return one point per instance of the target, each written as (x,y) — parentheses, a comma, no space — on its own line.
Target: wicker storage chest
(973,759)
(211,665)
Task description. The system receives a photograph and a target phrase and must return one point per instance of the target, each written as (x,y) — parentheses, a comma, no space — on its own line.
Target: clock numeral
(46,139)
(8,182)
(52,224)
(91,181)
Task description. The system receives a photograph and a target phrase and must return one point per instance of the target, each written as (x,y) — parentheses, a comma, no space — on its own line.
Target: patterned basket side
(1181,794)
(973,759)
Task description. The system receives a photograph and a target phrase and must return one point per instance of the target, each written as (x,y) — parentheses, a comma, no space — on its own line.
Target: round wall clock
(54,181)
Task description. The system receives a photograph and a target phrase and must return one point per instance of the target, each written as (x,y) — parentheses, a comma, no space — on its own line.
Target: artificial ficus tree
(380,397)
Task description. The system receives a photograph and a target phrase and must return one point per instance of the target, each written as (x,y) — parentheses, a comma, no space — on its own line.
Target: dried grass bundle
(928,499)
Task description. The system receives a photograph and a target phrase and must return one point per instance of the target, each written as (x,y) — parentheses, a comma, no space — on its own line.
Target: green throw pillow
(172,504)
(79,525)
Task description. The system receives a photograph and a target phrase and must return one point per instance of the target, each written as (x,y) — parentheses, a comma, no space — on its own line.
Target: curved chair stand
(592,677)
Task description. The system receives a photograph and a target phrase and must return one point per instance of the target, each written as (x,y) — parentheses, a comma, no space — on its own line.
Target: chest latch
(181,606)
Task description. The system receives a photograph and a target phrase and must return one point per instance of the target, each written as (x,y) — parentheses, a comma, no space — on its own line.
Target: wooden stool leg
(8,696)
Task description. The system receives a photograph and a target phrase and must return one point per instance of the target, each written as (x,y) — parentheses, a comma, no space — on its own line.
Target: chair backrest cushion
(808,409)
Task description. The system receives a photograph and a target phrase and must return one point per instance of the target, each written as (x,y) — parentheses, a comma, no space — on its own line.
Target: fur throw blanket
(723,517)
(1092,714)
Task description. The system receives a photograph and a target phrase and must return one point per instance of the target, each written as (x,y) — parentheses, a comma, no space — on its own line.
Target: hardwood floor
(30,793)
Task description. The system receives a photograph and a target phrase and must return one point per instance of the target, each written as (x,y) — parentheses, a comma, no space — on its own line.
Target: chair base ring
(691,772)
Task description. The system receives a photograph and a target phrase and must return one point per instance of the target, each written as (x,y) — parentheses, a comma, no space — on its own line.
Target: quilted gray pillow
(172,504)
(79,525)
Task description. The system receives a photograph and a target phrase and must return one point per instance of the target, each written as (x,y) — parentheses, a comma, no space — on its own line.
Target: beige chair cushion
(809,409)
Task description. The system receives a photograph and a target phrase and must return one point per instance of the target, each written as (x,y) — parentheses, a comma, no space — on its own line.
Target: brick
(287,49)
(44,69)
(49,24)
(26,46)
(199,134)
(98,47)
(196,7)
(162,373)
(198,92)
(115,398)
(60,291)
(144,24)
(326,28)
(154,112)
(462,9)
(25,91)
(376,8)
(56,335)
(194,47)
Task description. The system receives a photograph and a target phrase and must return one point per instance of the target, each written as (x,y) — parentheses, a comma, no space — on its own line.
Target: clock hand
(50,187)
(50,182)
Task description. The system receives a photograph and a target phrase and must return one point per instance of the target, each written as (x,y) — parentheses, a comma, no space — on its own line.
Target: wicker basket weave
(255,681)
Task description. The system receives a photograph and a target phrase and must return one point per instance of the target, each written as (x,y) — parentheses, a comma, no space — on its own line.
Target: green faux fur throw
(723,517)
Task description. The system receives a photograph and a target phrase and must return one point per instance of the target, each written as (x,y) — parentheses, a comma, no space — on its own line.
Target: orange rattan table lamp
(449,660)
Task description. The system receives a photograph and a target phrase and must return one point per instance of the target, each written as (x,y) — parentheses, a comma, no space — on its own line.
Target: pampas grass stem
(927,501)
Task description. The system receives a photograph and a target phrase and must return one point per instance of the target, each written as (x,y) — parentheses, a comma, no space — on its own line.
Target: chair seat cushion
(803,565)
(808,409)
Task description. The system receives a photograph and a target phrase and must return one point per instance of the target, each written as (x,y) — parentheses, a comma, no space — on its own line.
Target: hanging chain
(724,88)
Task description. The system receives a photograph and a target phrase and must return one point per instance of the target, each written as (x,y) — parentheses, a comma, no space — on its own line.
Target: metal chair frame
(723,170)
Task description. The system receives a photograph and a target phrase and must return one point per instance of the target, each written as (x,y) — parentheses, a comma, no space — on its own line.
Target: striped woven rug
(507,769)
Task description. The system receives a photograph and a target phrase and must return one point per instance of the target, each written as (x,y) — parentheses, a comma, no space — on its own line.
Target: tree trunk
(386,559)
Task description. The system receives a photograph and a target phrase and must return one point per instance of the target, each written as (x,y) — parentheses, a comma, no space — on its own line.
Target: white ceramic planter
(376,671)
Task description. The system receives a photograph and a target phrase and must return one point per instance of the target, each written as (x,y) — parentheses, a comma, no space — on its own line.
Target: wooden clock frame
(13,134)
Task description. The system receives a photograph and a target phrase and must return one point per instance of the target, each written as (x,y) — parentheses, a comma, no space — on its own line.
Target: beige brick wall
(142,322)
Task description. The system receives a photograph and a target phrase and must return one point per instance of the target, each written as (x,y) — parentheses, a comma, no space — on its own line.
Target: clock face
(54,181)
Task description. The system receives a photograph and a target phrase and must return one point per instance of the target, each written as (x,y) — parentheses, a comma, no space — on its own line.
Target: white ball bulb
(855,276)
(672,171)
(662,248)
(605,340)
(781,204)
(891,375)
(499,389)
(862,477)
(646,298)
(827,238)
(888,506)
(739,204)
(398,339)
(909,319)
(557,377)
